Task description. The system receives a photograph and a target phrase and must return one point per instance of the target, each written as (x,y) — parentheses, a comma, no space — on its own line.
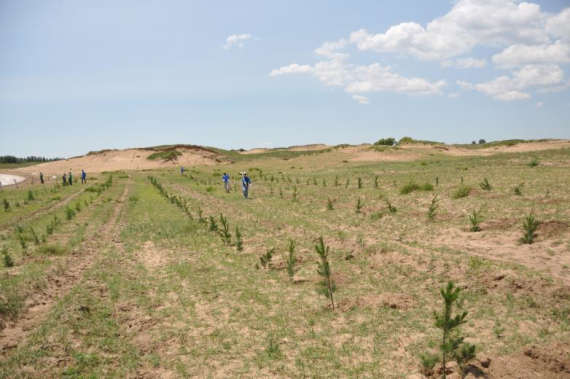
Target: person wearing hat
(245,183)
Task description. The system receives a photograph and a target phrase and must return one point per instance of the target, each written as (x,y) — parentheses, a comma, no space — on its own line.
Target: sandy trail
(10,180)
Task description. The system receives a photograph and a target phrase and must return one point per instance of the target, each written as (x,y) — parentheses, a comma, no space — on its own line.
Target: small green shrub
(168,155)
(265,259)
(327,286)
(358,207)
(6,204)
(69,213)
(295,194)
(213,224)
(534,162)
(432,209)
(330,205)
(30,195)
(359,183)
(7,258)
(56,249)
(517,190)
(239,240)
(291,270)
(475,218)
(461,192)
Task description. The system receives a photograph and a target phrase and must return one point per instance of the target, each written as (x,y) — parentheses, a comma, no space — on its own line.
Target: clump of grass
(330,204)
(78,207)
(327,286)
(273,350)
(485,185)
(265,259)
(517,190)
(475,218)
(291,270)
(453,344)
(56,249)
(358,207)
(432,209)
(534,162)
(225,230)
(413,186)
(391,208)
(530,225)
(22,241)
(295,194)
(376,181)
(69,213)
(7,258)
(133,198)
(461,192)
(239,240)
(6,204)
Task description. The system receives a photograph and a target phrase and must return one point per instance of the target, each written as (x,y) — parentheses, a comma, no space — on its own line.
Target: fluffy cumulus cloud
(236,40)
(361,99)
(531,45)
(513,88)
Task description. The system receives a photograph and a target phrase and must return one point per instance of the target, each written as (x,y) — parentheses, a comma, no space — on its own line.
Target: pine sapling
(7,258)
(22,241)
(201,218)
(517,190)
(327,285)
(448,323)
(295,194)
(6,204)
(530,225)
(239,240)
(225,230)
(330,205)
(347,183)
(475,218)
(30,195)
(213,224)
(376,181)
(391,207)
(485,185)
(265,259)
(324,183)
(358,208)
(35,236)
(280,193)
(432,209)
(437,181)
(359,183)
(69,213)
(314,180)
(291,270)
(336,182)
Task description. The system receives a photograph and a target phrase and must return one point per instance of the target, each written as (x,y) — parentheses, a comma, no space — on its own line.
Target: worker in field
(182,170)
(226,179)
(245,184)
(42,177)
(64,179)
(83,177)
(70,178)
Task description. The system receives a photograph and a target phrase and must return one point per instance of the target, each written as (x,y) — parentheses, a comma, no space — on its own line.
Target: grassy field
(126,278)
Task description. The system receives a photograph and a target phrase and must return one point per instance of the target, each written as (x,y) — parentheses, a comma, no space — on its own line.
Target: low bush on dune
(164,155)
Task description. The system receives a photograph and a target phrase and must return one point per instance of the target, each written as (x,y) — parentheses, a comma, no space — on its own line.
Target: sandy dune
(9,180)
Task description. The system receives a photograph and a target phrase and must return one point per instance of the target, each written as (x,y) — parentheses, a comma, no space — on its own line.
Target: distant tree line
(32,158)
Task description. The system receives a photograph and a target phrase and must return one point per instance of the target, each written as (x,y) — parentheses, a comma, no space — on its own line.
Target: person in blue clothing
(245,183)
(226,179)
(182,170)
(83,177)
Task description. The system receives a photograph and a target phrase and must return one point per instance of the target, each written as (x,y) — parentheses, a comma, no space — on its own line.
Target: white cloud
(468,24)
(465,63)
(236,40)
(559,24)
(454,95)
(560,88)
(511,88)
(361,99)
(517,55)
(291,69)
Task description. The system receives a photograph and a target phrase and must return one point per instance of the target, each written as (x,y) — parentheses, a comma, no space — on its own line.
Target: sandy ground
(113,160)
(8,180)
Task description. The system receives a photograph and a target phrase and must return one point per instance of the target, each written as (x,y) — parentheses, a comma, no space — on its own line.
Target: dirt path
(59,284)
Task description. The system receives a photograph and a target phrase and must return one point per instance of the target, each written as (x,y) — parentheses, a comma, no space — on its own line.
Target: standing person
(182,170)
(226,179)
(42,177)
(245,183)
(64,179)
(70,178)
(83,177)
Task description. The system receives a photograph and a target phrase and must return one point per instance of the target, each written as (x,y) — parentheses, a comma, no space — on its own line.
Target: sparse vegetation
(327,285)
(475,218)
(517,190)
(291,270)
(461,192)
(265,259)
(485,185)
(413,186)
(432,209)
(530,225)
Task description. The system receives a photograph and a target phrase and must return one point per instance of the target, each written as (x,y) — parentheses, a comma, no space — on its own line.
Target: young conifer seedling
(330,205)
(35,236)
(475,218)
(7,207)
(291,270)
(530,225)
(517,190)
(347,183)
(324,183)
(376,181)
(358,208)
(265,259)
(280,193)
(295,194)
(239,240)
(452,344)
(336,182)
(213,224)
(391,207)
(359,183)
(327,285)
(7,258)
(432,209)
(201,218)
(225,230)
(485,185)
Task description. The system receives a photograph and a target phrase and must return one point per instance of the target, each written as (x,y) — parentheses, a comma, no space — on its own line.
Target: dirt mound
(129,159)
(547,362)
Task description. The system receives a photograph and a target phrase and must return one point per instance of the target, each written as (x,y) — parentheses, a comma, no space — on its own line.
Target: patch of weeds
(273,350)
(534,162)
(133,198)
(69,213)
(413,186)
(461,192)
(485,185)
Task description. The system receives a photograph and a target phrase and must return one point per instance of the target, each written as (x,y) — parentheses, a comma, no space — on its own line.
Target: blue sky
(77,76)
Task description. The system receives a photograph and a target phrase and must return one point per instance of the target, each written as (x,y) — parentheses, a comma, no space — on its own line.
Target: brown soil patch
(151,257)
(389,299)
(549,229)
(499,224)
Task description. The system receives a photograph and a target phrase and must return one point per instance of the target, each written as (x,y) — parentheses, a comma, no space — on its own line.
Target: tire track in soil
(42,211)
(76,264)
